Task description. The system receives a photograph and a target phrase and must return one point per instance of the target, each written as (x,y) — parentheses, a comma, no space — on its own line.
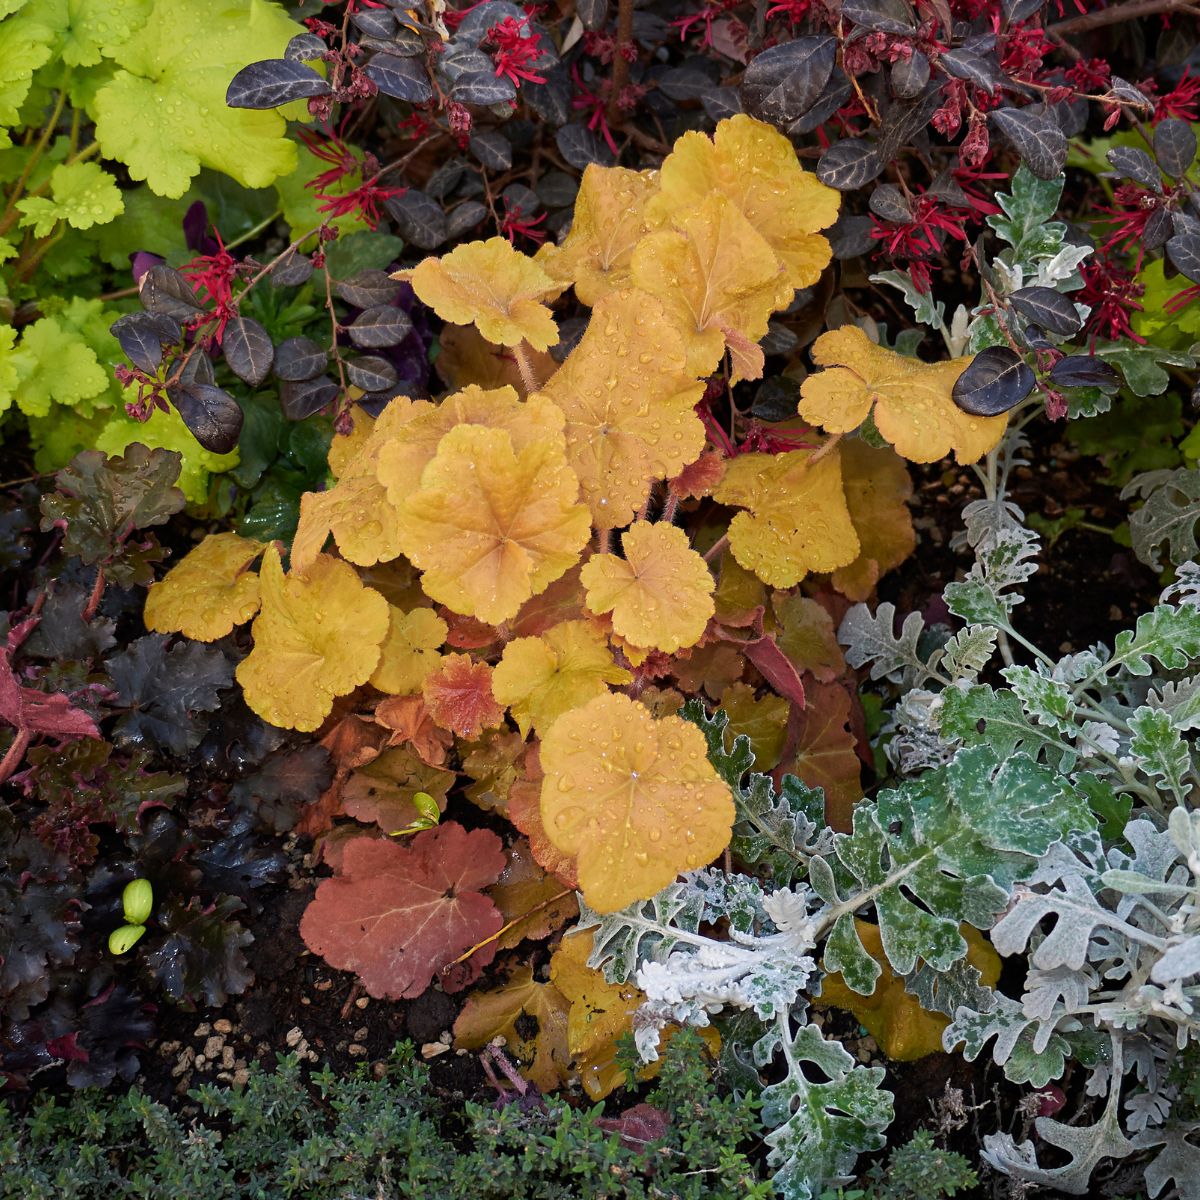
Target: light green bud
(124,938)
(137,900)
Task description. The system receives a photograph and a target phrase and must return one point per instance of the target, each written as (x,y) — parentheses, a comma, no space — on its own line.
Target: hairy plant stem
(97,594)
(620,71)
(525,366)
(15,754)
(716,548)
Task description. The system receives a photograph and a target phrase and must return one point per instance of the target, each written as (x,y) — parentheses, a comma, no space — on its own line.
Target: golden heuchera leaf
(466,357)
(316,636)
(356,510)
(490,525)
(410,650)
(910,399)
(492,286)
(630,405)
(531,1017)
(409,450)
(609,219)
(540,678)
(208,591)
(346,447)
(659,594)
(877,484)
(893,1016)
(756,167)
(719,281)
(763,721)
(797,520)
(493,763)
(635,799)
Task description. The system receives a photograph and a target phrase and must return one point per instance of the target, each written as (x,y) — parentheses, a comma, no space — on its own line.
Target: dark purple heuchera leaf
(238,863)
(110,1030)
(237,740)
(272,82)
(164,689)
(782,83)
(62,633)
(995,382)
(286,782)
(213,415)
(198,952)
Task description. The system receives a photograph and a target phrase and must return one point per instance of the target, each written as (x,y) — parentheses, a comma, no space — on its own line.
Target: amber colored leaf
(492,763)
(659,594)
(719,282)
(491,526)
(410,449)
(525,812)
(608,222)
(344,448)
(351,743)
(877,487)
(531,1017)
(756,167)
(356,510)
(661,702)
(808,637)
(383,790)
(466,358)
(399,913)
(409,723)
(823,751)
(910,400)
(492,286)
(893,1016)
(699,478)
(540,678)
(740,597)
(459,696)
(531,899)
(713,667)
(208,591)
(316,636)
(763,721)
(634,799)
(797,520)
(410,650)
(561,601)
(630,405)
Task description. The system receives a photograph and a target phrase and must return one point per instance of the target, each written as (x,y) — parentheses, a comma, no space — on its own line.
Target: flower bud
(124,938)
(137,900)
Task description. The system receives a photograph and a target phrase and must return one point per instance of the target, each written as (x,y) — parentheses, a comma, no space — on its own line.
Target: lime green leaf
(82,194)
(54,364)
(164,114)
(25,44)
(8,368)
(149,223)
(95,29)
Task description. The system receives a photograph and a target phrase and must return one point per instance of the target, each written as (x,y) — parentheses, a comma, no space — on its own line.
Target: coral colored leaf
(400,913)
(356,510)
(492,286)
(699,478)
(719,282)
(459,696)
(713,667)
(823,751)
(525,812)
(410,449)
(540,678)
(634,799)
(808,637)
(797,520)
(910,400)
(531,897)
(410,650)
(316,636)
(892,1015)
(608,222)
(490,525)
(756,167)
(410,724)
(877,486)
(659,594)
(383,790)
(466,358)
(630,405)
(207,592)
(763,721)
(32,712)
(531,1017)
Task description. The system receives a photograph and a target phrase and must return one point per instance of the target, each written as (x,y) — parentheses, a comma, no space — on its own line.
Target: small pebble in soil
(356,1050)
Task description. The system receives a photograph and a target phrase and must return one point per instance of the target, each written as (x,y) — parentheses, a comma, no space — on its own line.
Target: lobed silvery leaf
(642,931)
(1169,515)
(1186,587)
(915,743)
(926,310)
(1177,1162)
(1047,701)
(1180,700)
(1160,751)
(1030,1050)
(982,715)
(959,986)
(1167,635)
(871,639)
(966,653)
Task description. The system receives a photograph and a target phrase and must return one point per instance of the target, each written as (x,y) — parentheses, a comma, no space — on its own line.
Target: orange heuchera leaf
(718,280)
(525,812)
(630,405)
(634,799)
(410,724)
(808,637)
(316,636)
(459,696)
(910,399)
(466,357)
(492,286)
(410,650)
(531,897)
(763,721)
(493,763)
(531,1017)
(561,601)
(356,509)
(207,592)
(540,678)
(410,449)
(893,1016)
(713,668)
(756,167)
(823,751)
(491,526)
(659,594)
(699,478)
(383,790)
(661,702)
(877,486)
(352,743)
(401,912)
(608,222)
(797,520)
